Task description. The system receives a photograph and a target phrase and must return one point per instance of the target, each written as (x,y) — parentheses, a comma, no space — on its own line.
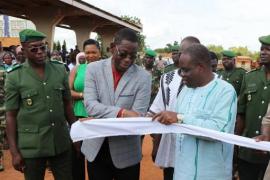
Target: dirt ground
(148,170)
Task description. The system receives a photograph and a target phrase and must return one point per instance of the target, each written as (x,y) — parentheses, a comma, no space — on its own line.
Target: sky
(221,22)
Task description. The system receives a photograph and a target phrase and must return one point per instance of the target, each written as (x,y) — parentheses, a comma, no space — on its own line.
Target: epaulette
(252,70)
(219,70)
(239,68)
(12,68)
(57,62)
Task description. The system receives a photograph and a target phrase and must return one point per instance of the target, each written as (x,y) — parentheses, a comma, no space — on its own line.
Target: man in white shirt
(164,146)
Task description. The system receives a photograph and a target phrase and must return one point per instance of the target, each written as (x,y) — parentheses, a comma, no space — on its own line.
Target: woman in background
(76,82)
(80,58)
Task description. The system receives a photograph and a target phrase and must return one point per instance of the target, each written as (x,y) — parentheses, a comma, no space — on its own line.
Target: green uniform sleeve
(12,97)
(242,98)
(67,93)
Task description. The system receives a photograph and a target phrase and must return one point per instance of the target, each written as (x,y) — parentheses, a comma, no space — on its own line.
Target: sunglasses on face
(35,49)
(125,54)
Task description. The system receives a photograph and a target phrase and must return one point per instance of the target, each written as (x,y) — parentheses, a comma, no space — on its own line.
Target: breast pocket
(30,98)
(59,91)
(28,137)
(250,92)
(126,100)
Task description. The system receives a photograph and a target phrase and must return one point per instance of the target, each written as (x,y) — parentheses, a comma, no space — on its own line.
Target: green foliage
(168,48)
(64,46)
(136,21)
(239,51)
(54,45)
(216,49)
(103,51)
(58,46)
(132,19)
(142,44)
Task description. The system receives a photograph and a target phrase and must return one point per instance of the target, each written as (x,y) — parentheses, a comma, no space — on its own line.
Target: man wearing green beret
(175,58)
(38,105)
(231,74)
(252,107)
(149,64)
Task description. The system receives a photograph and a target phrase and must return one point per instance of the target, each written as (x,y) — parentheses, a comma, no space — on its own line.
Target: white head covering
(78,56)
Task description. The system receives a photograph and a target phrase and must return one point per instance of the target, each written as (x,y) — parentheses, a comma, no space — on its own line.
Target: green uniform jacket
(2,107)
(41,123)
(233,77)
(170,67)
(156,74)
(253,102)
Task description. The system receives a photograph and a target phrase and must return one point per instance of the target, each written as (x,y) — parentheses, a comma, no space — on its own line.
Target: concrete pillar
(107,34)
(82,33)
(46,19)
(83,26)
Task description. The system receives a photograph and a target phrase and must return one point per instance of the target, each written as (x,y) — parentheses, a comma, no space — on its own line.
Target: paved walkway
(148,170)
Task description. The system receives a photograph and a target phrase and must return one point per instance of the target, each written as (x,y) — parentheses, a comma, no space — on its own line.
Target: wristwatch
(180,118)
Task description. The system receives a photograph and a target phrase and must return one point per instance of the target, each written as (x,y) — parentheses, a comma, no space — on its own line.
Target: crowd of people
(42,94)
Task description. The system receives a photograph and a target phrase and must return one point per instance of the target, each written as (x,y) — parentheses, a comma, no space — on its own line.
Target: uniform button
(52,124)
(262,102)
(265,87)
(44,83)
(50,110)
(257,132)
(260,117)
(48,97)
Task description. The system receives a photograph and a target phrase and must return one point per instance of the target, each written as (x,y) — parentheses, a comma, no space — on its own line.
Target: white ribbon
(97,128)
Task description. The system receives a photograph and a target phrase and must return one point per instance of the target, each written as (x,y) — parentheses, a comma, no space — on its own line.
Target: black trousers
(168,173)
(251,171)
(78,165)
(60,166)
(102,167)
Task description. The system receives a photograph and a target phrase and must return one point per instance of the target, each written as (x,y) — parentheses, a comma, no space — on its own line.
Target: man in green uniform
(38,104)
(175,58)
(149,64)
(231,74)
(214,61)
(2,116)
(253,102)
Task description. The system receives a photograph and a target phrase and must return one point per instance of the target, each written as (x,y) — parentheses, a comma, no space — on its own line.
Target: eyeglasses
(125,54)
(35,49)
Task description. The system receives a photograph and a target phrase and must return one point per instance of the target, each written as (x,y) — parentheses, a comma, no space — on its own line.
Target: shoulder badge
(242,69)
(56,62)
(252,70)
(12,68)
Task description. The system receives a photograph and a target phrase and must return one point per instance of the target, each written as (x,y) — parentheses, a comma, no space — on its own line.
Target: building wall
(15,26)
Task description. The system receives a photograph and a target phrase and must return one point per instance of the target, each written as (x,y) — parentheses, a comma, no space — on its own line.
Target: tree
(244,51)
(240,51)
(132,19)
(102,50)
(216,49)
(64,46)
(58,46)
(136,21)
(168,48)
(54,45)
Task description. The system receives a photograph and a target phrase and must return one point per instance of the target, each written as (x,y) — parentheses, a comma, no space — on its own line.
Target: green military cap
(265,39)
(150,52)
(31,35)
(228,53)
